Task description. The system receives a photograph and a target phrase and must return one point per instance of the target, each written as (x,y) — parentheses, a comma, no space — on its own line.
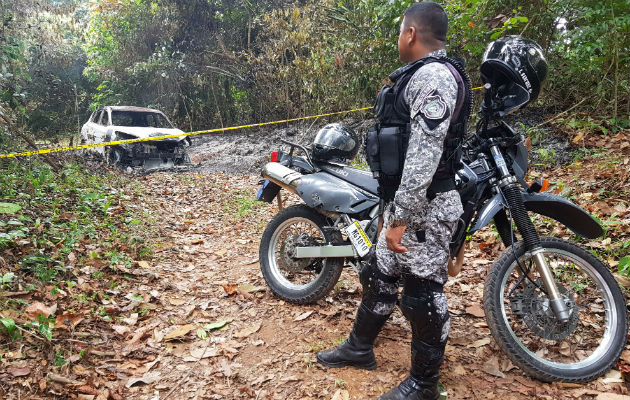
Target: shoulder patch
(434,109)
(433,106)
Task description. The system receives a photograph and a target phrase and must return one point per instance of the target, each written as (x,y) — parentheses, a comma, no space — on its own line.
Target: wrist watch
(397,223)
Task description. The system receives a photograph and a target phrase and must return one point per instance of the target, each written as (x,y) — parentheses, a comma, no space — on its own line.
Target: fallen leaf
(38,308)
(86,389)
(152,363)
(133,318)
(578,138)
(247,288)
(176,301)
(82,396)
(42,384)
(120,329)
(230,288)
(480,342)
(147,378)
(215,325)
(204,353)
(137,336)
(227,369)
(328,312)
(221,252)
(613,376)
(475,310)
(179,332)
(143,264)
(68,320)
(19,371)
(248,331)
(492,367)
(303,316)
(15,355)
(341,394)
(459,370)
(611,396)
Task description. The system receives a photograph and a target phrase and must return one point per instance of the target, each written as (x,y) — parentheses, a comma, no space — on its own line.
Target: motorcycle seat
(357,177)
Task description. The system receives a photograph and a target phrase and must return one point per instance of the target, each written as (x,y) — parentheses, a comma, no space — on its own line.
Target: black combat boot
(356,351)
(422,383)
(424,305)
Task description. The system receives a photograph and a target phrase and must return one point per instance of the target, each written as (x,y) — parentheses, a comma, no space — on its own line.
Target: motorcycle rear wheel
(298,280)
(521,321)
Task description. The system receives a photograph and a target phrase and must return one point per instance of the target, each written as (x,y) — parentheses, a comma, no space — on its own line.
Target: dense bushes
(211,63)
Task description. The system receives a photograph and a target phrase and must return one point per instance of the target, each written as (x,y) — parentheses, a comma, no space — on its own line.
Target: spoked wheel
(298,280)
(522,322)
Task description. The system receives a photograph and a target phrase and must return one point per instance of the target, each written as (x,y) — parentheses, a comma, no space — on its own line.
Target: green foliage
(590,53)
(59,359)
(59,212)
(9,208)
(44,325)
(6,278)
(624,266)
(202,331)
(210,63)
(8,325)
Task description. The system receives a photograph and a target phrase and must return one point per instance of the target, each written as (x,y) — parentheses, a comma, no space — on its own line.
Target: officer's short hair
(430,21)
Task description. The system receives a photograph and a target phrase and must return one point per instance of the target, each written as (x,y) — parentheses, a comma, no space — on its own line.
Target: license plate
(358,238)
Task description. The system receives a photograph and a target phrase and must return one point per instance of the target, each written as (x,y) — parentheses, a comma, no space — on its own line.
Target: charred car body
(123,123)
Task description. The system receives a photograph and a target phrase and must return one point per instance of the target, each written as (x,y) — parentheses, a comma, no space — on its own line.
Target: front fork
(512,194)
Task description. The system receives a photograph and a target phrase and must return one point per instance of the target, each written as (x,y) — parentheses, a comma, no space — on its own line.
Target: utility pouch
(385,103)
(390,140)
(385,150)
(372,151)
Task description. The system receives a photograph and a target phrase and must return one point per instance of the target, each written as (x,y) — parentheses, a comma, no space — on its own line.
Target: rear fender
(326,192)
(550,205)
(267,191)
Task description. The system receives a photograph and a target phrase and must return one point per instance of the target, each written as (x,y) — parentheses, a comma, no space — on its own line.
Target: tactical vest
(386,142)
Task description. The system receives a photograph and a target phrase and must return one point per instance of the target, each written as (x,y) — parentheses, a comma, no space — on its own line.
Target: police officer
(422,206)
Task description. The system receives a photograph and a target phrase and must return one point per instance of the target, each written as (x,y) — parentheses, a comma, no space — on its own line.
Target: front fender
(550,205)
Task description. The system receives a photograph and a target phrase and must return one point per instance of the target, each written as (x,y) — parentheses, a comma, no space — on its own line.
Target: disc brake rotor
(533,306)
(287,256)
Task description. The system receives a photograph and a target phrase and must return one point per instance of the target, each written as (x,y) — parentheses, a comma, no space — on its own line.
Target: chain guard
(532,305)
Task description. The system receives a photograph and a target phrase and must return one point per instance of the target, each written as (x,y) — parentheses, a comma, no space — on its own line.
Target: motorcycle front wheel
(523,324)
(298,280)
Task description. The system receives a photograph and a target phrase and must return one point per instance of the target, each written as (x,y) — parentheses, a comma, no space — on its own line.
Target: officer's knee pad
(418,306)
(378,287)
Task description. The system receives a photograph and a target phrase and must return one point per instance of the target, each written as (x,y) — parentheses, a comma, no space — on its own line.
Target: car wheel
(114,156)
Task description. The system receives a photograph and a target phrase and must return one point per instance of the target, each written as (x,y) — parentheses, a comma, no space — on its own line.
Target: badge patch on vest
(434,109)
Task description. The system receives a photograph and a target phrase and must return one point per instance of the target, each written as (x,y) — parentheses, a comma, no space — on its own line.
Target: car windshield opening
(139,119)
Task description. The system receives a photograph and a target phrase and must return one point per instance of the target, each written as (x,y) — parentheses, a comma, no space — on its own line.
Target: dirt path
(208,273)
(197,320)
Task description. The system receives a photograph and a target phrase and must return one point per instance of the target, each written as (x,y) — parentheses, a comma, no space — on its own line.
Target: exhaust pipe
(280,175)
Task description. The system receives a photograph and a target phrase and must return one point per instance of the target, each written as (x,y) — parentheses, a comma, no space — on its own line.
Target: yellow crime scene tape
(231,128)
(117,142)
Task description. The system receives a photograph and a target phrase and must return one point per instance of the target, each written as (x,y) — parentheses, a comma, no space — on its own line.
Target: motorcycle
(552,306)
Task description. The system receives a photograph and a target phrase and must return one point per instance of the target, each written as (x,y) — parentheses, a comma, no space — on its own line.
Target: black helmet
(335,142)
(516,68)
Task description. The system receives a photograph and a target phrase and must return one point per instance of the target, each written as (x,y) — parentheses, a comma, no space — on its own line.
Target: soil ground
(205,273)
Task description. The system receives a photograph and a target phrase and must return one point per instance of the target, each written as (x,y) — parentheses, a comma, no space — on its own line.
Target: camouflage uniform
(431,84)
(432,95)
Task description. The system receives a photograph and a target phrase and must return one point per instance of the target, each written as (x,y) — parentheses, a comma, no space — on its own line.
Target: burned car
(122,123)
